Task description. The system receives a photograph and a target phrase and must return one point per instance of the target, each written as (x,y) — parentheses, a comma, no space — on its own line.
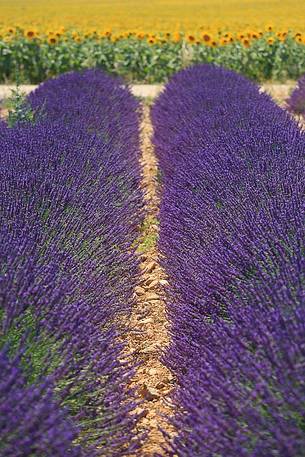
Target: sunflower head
(246,42)
(281,36)
(206,37)
(52,40)
(151,40)
(76,38)
(30,34)
(190,38)
(224,41)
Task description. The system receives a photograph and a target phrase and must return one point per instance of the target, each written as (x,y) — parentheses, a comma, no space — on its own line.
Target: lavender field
(232,243)
(70,207)
(153,270)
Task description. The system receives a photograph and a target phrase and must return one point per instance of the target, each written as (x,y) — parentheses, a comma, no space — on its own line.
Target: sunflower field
(148,43)
(155,15)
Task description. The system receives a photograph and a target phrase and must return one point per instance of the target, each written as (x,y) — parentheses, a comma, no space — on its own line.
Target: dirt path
(153,381)
(279,92)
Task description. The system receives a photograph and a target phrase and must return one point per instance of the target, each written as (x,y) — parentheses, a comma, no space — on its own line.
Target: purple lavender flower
(70,210)
(296,101)
(232,243)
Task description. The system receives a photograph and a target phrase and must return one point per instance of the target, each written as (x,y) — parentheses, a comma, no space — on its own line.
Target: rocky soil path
(277,90)
(152,381)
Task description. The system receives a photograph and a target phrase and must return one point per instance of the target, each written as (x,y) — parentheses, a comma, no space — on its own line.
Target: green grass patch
(148,238)
(42,353)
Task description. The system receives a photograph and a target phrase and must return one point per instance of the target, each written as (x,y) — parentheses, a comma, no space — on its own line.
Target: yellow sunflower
(224,41)
(241,36)
(77,38)
(52,40)
(190,38)
(30,34)
(206,37)
(151,40)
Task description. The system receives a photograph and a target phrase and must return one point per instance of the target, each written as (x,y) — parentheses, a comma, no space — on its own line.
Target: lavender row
(296,101)
(70,209)
(232,242)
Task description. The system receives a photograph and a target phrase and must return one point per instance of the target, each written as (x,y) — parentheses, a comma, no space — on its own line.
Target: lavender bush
(296,101)
(232,239)
(70,209)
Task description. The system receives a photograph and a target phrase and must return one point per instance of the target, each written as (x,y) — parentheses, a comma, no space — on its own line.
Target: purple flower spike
(232,242)
(296,101)
(70,209)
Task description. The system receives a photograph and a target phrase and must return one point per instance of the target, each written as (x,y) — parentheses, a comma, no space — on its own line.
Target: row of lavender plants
(296,101)
(232,175)
(70,207)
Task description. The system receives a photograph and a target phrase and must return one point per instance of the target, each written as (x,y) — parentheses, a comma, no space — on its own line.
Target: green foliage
(138,61)
(41,350)
(20,110)
(42,356)
(148,243)
(149,236)
(18,107)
